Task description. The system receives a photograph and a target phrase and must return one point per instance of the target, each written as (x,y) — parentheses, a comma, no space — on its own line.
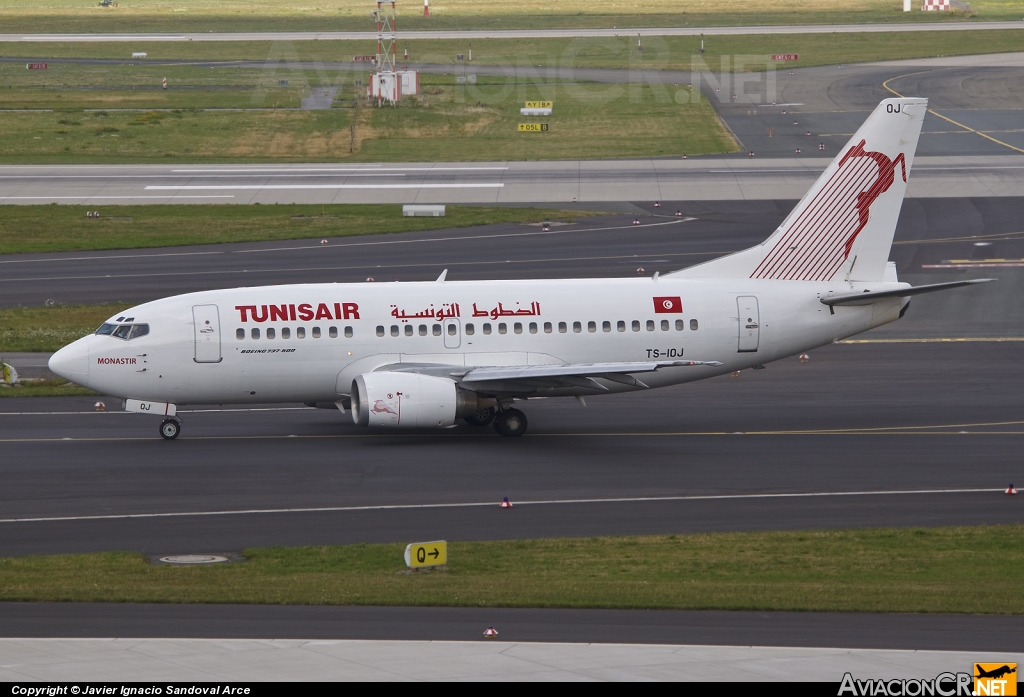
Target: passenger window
(333,332)
(547,327)
(470,329)
(316,332)
(577,327)
(240,334)
(255,333)
(286,333)
(636,325)
(693,325)
(106,329)
(502,329)
(664,325)
(394,330)
(423,330)
(561,328)
(139,330)
(300,332)
(408,330)
(517,327)
(271,333)
(533,327)
(348,332)
(487,328)
(122,331)
(606,326)
(452,329)
(680,326)
(591,327)
(380,330)
(620,326)
(650,325)
(437,330)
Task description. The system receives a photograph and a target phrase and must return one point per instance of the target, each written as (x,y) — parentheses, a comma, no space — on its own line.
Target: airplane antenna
(655,276)
(440,279)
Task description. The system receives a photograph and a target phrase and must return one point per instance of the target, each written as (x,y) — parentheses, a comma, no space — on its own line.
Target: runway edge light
(505,503)
(1011,491)
(490,633)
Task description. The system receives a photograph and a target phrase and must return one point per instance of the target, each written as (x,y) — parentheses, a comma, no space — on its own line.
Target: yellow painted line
(953,340)
(995,235)
(946,118)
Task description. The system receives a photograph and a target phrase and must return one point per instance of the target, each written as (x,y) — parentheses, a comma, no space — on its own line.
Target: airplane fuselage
(307,343)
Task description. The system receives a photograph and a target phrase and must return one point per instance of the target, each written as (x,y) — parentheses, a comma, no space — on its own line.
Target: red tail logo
(820,239)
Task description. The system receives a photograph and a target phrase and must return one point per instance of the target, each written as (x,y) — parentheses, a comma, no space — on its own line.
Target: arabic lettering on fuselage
(501,311)
(446,310)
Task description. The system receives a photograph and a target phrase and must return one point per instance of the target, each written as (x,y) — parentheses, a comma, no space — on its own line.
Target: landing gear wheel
(482,417)
(510,422)
(170,429)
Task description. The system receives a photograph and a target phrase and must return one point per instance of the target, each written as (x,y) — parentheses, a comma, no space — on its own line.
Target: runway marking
(946,118)
(952,340)
(492,504)
(345,169)
(281,187)
(92,198)
(180,411)
(994,236)
(929,430)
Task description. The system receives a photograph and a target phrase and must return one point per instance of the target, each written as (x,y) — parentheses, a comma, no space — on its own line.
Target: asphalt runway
(518,33)
(798,629)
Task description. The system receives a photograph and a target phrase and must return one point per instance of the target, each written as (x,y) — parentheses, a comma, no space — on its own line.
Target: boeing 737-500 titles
(423,355)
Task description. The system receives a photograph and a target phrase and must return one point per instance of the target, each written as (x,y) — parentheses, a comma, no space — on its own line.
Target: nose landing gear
(510,422)
(170,428)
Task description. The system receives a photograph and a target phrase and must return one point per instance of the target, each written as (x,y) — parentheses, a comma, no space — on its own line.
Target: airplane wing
(867,298)
(528,379)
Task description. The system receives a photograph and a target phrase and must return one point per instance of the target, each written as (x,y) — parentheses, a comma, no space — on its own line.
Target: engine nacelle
(408,400)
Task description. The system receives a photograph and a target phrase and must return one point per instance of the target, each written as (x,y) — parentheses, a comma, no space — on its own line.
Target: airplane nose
(72,362)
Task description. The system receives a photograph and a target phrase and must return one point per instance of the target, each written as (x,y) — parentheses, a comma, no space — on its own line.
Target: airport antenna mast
(387,38)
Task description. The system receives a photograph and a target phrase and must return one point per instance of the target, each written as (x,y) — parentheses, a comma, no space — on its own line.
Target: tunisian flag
(673,304)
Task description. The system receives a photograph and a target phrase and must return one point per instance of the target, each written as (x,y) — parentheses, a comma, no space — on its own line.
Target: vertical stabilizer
(843,227)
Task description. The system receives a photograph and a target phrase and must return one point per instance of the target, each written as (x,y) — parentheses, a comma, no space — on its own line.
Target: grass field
(960,570)
(28,329)
(445,122)
(57,387)
(55,228)
(48,16)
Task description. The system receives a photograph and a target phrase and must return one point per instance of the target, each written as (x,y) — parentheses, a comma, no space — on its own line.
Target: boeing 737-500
(426,354)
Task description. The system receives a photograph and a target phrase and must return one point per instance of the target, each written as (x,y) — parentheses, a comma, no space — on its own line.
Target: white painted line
(180,411)
(92,198)
(493,504)
(261,187)
(343,169)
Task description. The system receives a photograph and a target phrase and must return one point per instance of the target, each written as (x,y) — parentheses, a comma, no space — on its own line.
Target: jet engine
(408,400)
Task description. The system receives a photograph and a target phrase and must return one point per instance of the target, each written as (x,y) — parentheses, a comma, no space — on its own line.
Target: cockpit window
(123,331)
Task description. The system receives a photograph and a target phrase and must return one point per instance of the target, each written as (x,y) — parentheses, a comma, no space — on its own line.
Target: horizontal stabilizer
(866,298)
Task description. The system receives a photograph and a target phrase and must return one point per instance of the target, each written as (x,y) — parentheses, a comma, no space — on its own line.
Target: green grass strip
(67,228)
(952,569)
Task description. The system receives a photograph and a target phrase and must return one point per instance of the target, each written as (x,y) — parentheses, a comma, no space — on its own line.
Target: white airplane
(413,355)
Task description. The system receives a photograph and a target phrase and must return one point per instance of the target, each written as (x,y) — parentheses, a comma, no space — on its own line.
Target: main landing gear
(170,428)
(510,422)
(507,422)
